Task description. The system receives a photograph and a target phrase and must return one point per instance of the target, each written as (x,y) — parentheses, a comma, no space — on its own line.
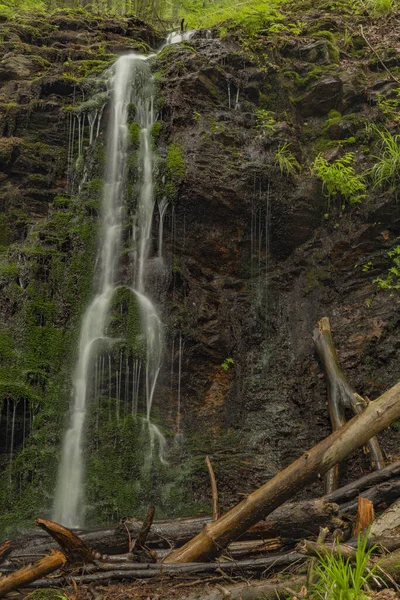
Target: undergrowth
(385,172)
(341,579)
(339,179)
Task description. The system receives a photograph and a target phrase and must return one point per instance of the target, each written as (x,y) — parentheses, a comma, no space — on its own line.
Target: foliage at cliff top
(196,13)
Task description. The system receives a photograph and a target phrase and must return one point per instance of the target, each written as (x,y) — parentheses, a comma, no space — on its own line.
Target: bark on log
(5,549)
(384,493)
(353,489)
(271,589)
(316,549)
(217,535)
(105,573)
(341,396)
(292,521)
(27,575)
(388,524)
(72,546)
(268,590)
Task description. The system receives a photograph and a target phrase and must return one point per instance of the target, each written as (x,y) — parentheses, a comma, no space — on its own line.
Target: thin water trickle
(162,209)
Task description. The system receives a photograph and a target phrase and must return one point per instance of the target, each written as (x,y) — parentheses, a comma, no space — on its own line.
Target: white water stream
(132,82)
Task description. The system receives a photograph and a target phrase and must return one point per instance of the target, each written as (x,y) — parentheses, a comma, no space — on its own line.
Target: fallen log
(268,590)
(23,577)
(388,524)
(106,573)
(217,535)
(341,396)
(73,547)
(384,493)
(290,521)
(353,489)
(312,548)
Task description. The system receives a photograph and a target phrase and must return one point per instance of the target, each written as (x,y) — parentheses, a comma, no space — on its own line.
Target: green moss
(47,594)
(134,135)
(131,111)
(175,165)
(7,149)
(84,68)
(327,35)
(155,130)
(96,102)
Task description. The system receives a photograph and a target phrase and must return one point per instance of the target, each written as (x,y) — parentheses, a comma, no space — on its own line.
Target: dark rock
(323,96)
(16,66)
(341,130)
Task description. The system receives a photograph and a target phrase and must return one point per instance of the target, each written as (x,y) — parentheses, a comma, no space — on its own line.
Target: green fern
(286,160)
(392,281)
(339,179)
(265,121)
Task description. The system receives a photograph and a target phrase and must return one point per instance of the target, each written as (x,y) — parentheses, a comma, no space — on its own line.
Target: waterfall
(130,71)
(132,83)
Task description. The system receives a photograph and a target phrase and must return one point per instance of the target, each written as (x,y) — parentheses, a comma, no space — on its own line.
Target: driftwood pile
(257,539)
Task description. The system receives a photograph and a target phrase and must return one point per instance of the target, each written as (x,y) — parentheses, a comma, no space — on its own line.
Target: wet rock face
(46,66)
(254,255)
(259,262)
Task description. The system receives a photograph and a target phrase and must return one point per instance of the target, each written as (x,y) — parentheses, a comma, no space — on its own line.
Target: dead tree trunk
(26,575)
(70,543)
(341,396)
(217,535)
(214,490)
(5,549)
(365,515)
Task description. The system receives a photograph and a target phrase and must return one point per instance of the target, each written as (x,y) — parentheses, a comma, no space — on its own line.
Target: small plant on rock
(227,364)
(385,172)
(265,121)
(340,179)
(392,281)
(286,160)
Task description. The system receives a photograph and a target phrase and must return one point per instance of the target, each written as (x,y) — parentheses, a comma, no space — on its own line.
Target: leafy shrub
(286,160)
(340,179)
(392,281)
(265,121)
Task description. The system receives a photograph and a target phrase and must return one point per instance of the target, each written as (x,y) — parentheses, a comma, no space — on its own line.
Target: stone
(16,67)
(323,96)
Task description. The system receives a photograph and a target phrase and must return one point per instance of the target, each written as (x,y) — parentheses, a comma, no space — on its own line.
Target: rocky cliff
(254,252)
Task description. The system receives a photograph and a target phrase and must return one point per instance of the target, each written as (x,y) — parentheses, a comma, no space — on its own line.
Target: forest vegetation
(272,141)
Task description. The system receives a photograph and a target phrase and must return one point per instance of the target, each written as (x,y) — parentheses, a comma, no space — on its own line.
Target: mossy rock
(47,594)
(134,135)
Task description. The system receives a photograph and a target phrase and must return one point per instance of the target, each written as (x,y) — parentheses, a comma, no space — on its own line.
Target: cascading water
(132,83)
